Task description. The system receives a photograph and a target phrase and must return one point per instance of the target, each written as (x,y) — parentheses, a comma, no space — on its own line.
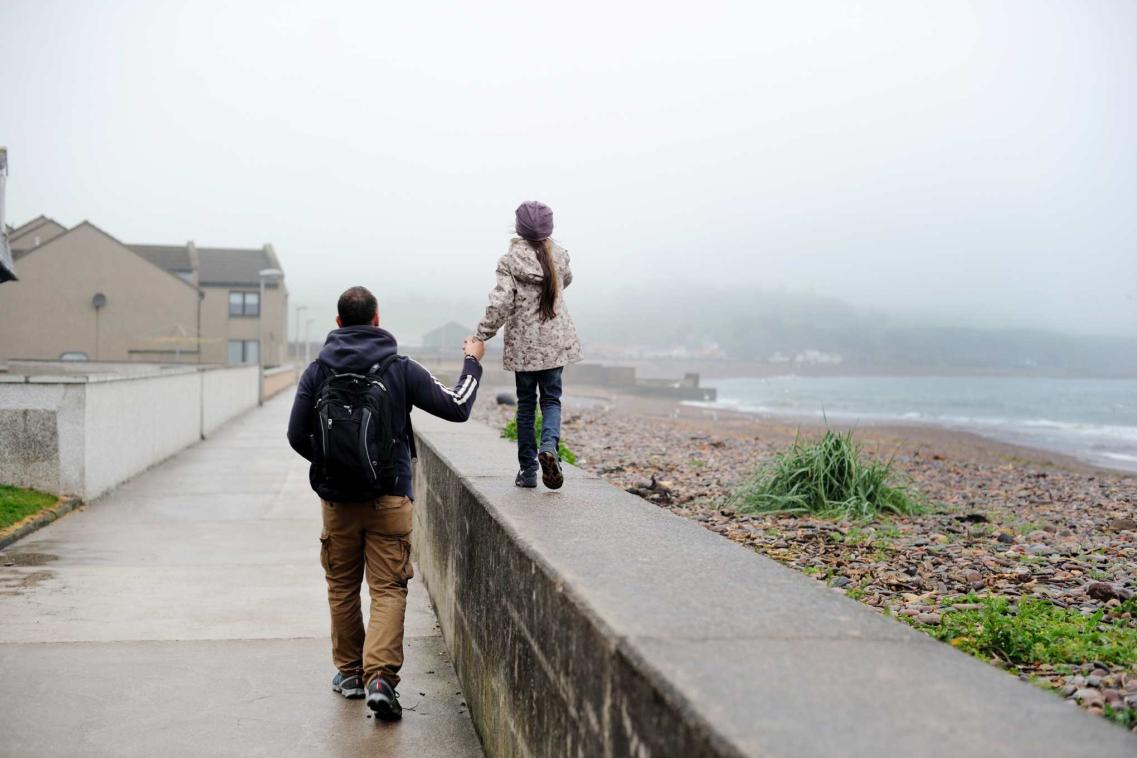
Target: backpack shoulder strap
(323,374)
(379,369)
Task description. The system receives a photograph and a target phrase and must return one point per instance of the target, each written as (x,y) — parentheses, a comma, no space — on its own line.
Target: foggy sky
(956,162)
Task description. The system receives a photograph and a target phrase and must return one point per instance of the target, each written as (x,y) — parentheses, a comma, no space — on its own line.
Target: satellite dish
(99,300)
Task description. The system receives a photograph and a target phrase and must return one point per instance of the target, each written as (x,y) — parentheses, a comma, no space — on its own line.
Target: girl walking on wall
(540,337)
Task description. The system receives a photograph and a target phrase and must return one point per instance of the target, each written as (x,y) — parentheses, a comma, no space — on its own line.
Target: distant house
(230,285)
(85,294)
(447,336)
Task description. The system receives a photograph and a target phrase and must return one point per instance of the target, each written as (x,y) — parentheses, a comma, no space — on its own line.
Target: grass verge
(17,504)
(830,478)
(1034,631)
(509,431)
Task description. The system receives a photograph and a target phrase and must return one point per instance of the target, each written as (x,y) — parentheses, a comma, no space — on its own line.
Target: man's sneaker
(527,479)
(384,700)
(348,685)
(551,473)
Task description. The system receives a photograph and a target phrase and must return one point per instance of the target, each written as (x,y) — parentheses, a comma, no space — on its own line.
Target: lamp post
(297,332)
(264,275)
(308,341)
(7,269)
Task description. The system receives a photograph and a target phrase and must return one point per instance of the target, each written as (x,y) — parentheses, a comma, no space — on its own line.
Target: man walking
(351,419)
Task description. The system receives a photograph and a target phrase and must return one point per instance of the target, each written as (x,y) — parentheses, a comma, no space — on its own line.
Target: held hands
(474,347)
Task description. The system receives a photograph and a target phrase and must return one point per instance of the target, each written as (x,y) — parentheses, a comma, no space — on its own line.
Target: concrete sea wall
(588,622)
(82,435)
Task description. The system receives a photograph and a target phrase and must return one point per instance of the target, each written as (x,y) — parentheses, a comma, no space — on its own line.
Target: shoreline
(921,431)
(1005,439)
(929,428)
(718,369)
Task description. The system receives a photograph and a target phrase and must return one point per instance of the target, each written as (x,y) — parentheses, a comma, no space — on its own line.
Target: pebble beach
(1001,521)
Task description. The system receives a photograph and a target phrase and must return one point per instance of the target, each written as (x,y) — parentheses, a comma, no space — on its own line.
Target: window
(244,304)
(244,351)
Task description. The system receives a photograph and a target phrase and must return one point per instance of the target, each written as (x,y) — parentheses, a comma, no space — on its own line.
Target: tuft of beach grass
(829,478)
(509,432)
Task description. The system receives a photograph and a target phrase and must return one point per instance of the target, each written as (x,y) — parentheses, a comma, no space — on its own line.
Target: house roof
(27,226)
(217,266)
(34,233)
(87,225)
(172,258)
(220,266)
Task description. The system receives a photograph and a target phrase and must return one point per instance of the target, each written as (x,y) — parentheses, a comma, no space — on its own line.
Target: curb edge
(37,521)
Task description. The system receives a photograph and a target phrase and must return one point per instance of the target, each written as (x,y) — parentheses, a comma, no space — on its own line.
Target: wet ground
(184,614)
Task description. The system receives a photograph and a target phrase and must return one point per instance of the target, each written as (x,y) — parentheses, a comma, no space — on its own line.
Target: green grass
(510,433)
(17,504)
(889,531)
(1035,631)
(830,478)
(1125,716)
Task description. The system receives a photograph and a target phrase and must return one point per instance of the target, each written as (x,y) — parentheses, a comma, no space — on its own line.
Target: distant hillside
(783,326)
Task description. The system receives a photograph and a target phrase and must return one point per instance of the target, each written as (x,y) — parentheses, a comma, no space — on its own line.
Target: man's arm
(501,303)
(300,422)
(452,404)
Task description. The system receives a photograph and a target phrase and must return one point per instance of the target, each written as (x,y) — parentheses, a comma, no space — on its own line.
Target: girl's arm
(501,303)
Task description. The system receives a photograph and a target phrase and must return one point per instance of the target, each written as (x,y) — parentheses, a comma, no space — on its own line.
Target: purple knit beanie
(534,220)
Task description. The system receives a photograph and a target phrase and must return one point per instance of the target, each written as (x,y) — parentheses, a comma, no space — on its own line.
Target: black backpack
(356,439)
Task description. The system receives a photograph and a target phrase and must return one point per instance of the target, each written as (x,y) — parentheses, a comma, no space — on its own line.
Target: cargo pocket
(407,569)
(325,553)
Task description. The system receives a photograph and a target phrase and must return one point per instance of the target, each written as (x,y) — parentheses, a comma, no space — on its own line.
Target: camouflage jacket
(530,344)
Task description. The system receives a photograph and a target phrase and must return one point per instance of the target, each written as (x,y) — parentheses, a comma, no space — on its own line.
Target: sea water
(1092,419)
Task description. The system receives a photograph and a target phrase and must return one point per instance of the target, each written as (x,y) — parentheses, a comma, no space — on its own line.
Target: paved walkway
(184,614)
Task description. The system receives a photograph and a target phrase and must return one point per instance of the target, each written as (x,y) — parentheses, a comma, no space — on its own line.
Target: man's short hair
(357,306)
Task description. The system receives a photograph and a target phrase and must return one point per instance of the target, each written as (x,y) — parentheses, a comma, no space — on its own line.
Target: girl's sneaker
(551,473)
(526,479)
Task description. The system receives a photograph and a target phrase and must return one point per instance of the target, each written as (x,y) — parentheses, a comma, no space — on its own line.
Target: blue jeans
(549,384)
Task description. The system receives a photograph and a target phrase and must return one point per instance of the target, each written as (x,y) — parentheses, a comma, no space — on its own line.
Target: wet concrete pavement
(184,614)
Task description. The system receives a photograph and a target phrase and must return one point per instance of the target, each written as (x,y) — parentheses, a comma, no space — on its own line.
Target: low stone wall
(279,379)
(131,424)
(588,622)
(82,435)
(225,393)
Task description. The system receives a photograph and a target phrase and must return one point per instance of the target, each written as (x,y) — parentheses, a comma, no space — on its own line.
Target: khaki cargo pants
(372,537)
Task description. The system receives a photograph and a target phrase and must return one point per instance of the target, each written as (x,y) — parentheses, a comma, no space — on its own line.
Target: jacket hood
(523,263)
(355,349)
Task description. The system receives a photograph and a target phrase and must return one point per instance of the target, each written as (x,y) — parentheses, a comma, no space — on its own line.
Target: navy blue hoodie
(355,349)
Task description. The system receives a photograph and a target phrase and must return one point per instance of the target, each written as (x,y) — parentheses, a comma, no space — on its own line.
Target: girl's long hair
(549,288)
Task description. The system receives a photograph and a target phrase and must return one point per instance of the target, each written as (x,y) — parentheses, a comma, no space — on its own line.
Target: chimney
(7,271)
